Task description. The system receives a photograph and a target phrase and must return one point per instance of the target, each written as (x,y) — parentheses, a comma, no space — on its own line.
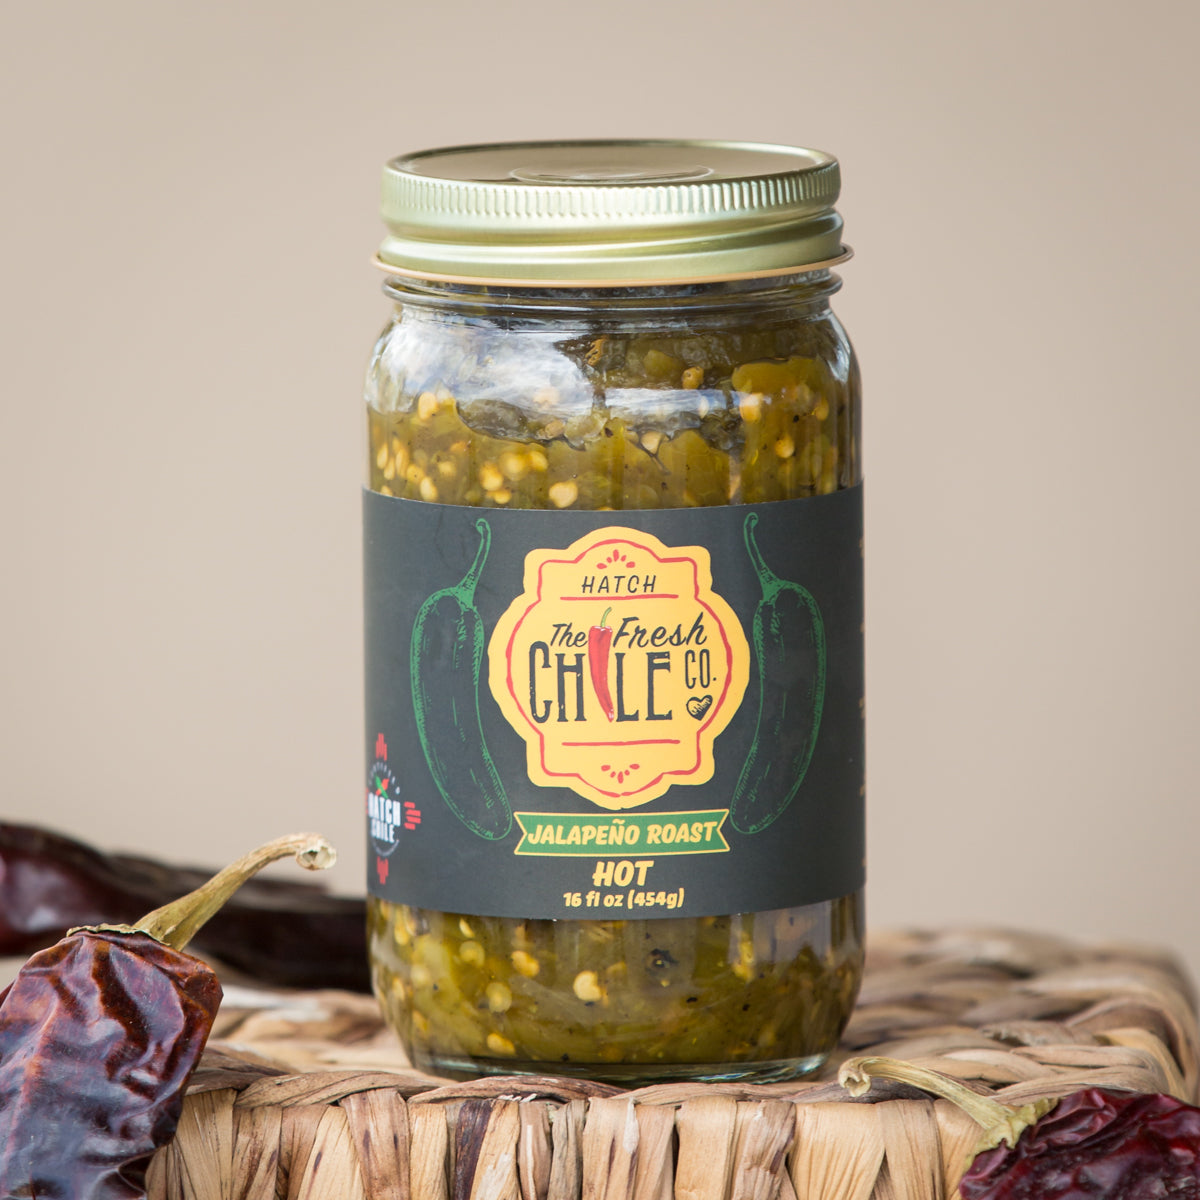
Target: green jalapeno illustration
(445,664)
(788,637)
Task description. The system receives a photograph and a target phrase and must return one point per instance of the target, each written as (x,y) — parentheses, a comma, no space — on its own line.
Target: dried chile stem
(999,1122)
(176,923)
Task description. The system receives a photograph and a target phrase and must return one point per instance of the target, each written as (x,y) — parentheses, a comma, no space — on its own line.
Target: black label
(606,714)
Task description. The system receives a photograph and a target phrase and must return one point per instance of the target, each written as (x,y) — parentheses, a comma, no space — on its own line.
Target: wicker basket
(306,1095)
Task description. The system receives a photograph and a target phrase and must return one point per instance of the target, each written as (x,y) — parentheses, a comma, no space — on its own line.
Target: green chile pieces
(445,663)
(789,656)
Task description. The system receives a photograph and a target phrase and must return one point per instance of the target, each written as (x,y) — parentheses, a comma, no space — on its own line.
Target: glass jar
(613,480)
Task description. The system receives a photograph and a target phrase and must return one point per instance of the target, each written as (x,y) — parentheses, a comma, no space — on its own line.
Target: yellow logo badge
(619,666)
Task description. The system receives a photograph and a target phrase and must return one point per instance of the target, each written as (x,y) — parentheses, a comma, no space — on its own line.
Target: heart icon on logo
(697,706)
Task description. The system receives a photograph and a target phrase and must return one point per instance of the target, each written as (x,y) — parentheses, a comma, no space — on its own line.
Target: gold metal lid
(605,213)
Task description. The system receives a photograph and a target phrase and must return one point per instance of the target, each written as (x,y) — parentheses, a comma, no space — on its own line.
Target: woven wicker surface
(304,1096)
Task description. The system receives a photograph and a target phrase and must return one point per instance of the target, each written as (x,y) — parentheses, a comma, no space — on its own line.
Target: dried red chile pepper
(98,1037)
(274,931)
(1098,1142)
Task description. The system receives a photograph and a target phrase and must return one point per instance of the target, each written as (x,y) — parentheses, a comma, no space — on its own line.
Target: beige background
(187,213)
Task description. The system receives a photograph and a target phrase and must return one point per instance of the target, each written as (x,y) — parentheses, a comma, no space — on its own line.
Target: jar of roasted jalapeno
(613,560)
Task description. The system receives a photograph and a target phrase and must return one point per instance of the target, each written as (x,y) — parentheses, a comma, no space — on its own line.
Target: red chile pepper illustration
(1098,1142)
(599,644)
(98,1037)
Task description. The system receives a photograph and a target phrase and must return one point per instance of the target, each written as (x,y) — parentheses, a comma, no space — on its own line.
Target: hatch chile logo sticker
(619,666)
(387,815)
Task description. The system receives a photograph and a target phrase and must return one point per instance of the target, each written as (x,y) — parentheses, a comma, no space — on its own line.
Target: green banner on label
(559,834)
